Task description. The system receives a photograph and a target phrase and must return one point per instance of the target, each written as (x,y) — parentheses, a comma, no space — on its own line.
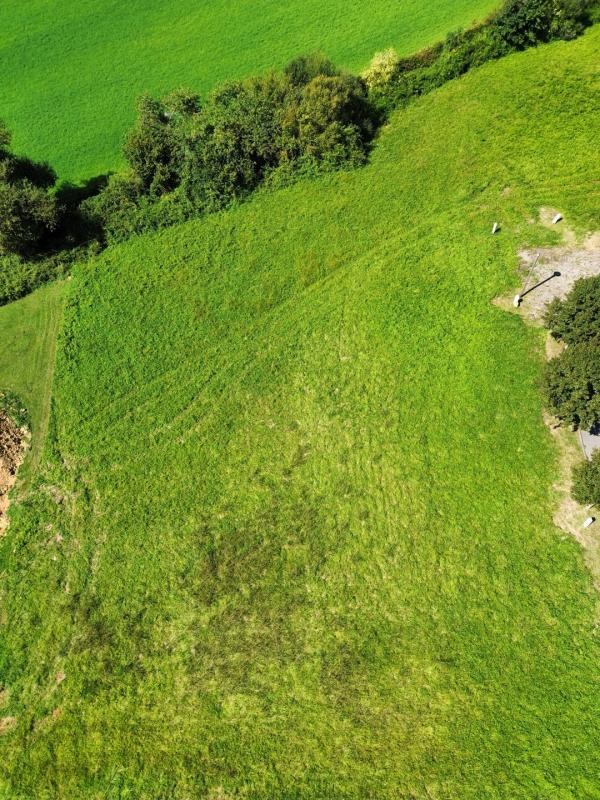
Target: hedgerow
(519,24)
(188,157)
(205,156)
(571,381)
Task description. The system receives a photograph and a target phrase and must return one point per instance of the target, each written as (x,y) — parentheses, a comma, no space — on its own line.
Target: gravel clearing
(570,264)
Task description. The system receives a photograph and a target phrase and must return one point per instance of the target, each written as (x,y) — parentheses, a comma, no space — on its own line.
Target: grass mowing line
(45,367)
(347,584)
(28,337)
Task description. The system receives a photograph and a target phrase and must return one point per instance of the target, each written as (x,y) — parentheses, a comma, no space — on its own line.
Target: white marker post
(495,228)
(517,301)
(557,218)
(589,521)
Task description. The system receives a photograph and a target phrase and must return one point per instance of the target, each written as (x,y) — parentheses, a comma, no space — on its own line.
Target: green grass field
(28,331)
(76,69)
(304,488)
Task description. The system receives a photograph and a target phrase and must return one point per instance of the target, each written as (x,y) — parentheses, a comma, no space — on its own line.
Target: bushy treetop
(571,385)
(28,212)
(576,319)
(523,23)
(586,481)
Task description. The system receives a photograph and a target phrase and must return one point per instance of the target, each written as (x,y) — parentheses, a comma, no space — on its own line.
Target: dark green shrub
(303,69)
(571,385)
(586,481)
(274,126)
(332,123)
(235,141)
(13,276)
(28,211)
(154,147)
(523,23)
(19,277)
(27,215)
(112,215)
(576,318)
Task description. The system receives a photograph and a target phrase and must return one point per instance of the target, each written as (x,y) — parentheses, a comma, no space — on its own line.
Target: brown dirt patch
(539,267)
(13,443)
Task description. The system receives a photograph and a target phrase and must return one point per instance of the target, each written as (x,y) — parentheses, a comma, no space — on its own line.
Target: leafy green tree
(27,215)
(523,23)
(235,140)
(571,385)
(333,122)
(113,213)
(28,212)
(153,148)
(576,318)
(586,481)
(202,158)
(303,69)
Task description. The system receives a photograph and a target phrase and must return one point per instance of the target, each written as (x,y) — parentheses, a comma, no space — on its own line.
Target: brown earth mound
(13,442)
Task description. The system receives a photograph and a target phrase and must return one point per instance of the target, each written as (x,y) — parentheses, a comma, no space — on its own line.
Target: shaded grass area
(78,67)
(303,488)
(28,331)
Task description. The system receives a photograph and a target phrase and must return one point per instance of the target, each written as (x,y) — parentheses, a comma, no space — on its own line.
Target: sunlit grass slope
(76,68)
(304,488)
(28,331)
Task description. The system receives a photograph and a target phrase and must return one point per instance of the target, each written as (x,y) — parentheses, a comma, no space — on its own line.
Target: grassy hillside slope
(28,331)
(77,68)
(295,538)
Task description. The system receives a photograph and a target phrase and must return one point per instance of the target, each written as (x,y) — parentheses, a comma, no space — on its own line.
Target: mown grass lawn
(28,331)
(76,69)
(304,488)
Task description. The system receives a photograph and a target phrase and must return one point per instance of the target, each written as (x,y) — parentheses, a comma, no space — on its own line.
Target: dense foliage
(28,211)
(571,381)
(519,24)
(20,276)
(586,481)
(576,319)
(309,118)
(571,385)
(523,23)
(28,214)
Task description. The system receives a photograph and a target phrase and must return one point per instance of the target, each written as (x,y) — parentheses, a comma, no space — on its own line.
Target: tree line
(571,381)
(187,156)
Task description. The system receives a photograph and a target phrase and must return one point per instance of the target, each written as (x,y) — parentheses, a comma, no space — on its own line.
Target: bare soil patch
(13,444)
(551,272)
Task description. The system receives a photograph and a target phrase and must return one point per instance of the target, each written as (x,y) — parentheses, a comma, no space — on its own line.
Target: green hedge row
(188,157)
